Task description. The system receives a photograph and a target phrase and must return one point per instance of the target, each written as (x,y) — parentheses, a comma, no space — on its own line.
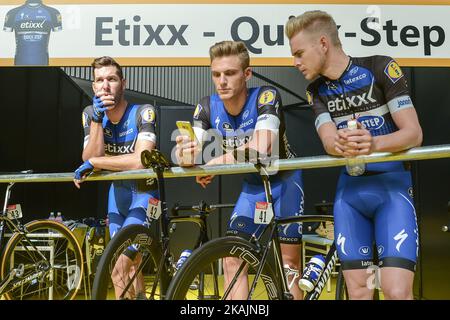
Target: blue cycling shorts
(376,209)
(127,205)
(288,200)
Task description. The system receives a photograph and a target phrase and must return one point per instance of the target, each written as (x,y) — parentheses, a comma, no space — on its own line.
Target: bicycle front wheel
(129,267)
(44,263)
(202,278)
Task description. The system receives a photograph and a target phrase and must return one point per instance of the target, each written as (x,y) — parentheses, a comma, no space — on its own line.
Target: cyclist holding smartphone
(246,119)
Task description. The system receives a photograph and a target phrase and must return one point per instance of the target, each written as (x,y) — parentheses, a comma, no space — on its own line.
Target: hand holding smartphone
(185,128)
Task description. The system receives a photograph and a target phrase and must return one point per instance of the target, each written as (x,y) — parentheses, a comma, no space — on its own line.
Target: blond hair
(230,48)
(314,22)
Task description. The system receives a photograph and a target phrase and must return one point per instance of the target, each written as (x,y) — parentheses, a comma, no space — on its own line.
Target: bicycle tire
(208,255)
(341,288)
(148,247)
(59,279)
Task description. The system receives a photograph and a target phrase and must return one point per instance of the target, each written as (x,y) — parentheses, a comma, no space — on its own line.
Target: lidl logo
(267,98)
(393,71)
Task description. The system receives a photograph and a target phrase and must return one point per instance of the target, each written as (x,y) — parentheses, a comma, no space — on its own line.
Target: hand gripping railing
(419,153)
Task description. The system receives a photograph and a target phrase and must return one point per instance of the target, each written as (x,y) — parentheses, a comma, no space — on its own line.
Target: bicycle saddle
(154,159)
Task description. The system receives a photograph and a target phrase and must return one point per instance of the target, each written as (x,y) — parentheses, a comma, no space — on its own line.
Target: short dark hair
(106,61)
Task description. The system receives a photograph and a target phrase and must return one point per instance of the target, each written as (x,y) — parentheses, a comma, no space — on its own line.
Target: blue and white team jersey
(32,23)
(128,199)
(378,206)
(262,111)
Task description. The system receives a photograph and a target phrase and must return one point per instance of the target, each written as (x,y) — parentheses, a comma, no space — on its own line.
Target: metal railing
(419,153)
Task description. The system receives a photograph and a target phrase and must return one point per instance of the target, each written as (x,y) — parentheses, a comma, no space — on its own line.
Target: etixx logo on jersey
(393,71)
(267,98)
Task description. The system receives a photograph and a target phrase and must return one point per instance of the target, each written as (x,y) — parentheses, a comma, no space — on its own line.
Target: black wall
(41,130)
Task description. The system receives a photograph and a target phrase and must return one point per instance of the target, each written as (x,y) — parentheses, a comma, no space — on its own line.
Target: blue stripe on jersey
(357,78)
(125,131)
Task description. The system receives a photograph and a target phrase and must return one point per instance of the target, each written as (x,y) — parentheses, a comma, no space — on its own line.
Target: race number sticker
(263,213)
(154,208)
(14,211)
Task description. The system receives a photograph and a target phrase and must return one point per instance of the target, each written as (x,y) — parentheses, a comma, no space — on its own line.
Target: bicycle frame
(272,229)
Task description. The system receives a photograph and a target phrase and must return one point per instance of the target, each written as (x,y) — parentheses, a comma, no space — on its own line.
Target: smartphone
(185,128)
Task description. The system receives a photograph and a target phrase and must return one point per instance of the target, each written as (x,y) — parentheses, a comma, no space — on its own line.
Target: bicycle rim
(202,277)
(111,282)
(52,269)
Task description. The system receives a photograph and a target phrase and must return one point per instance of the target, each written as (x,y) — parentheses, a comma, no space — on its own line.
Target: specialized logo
(148,116)
(267,97)
(400,238)
(393,71)
(197,111)
(309,97)
(365,250)
(341,243)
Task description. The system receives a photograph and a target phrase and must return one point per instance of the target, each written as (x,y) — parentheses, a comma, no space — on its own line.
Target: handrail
(419,153)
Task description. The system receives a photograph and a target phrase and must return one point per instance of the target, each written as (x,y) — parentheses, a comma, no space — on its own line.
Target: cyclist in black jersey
(242,118)
(116,132)
(376,206)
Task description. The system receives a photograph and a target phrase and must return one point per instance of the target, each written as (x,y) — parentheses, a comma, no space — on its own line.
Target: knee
(397,293)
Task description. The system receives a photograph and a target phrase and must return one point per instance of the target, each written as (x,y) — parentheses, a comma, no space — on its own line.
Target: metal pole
(420,153)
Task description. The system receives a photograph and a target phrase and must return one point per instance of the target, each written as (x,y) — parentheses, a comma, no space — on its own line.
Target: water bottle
(355,166)
(59,217)
(51,216)
(312,272)
(183,257)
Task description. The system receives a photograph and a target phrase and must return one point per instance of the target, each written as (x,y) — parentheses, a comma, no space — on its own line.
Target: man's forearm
(96,144)
(397,141)
(118,163)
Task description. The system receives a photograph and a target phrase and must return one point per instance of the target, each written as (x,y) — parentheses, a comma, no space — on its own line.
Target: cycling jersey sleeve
(318,106)
(146,123)
(56,20)
(201,119)
(86,118)
(393,82)
(9,20)
(269,107)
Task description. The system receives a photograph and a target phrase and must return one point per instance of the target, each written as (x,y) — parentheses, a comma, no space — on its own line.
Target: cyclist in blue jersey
(247,118)
(32,22)
(116,132)
(376,206)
